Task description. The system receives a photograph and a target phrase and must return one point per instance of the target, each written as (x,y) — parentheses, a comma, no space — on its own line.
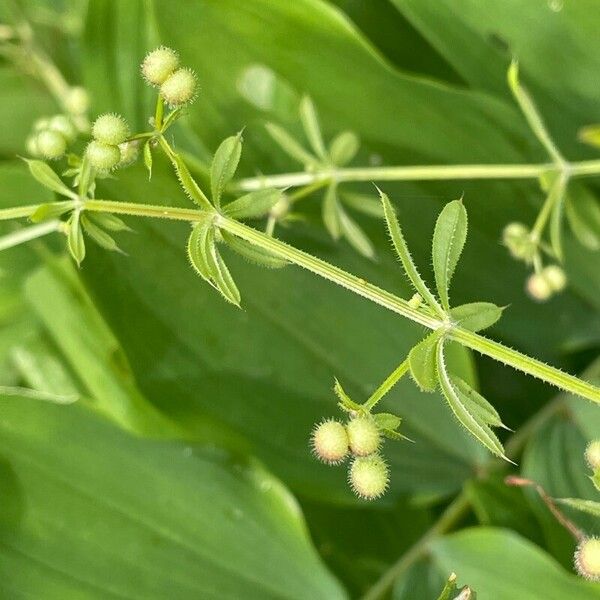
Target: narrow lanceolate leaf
(253,205)
(405,258)
(49,211)
(48,178)
(557,200)
(583,214)
(188,183)
(331,212)
(148,159)
(476,316)
(345,402)
(363,203)
(206,260)
(343,148)
(450,590)
(476,403)
(310,122)
(356,237)
(253,253)
(289,145)
(108,221)
(448,242)
(587,506)
(473,423)
(422,362)
(98,235)
(590,134)
(75,241)
(595,478)
(224,165)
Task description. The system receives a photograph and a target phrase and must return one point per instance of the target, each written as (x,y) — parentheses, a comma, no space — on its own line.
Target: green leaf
(501,565)
(172,521)
(450,590)
(108,221)
(404,255)
(312,129)
(363,203)
(289,145)
(75,241)
(50,210)
(222,277)
(148,158)
(595,478)
(590,135)
(422,362)
(463,409)
(557,198)
(331,212)
(198,248)
(98,235)
(583,214)
(587,506)
(253,205)
(387,421)
(343,148)
(345,402)
(475,403)
(48,178)
(224,165)
(449,239)
(356,237)
(252,253)
(476,316)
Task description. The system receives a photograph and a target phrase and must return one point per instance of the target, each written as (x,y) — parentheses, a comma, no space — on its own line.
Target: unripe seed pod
(77,101)
(129,153)
(32,146)
(369,476)
(102,156)
(159,64)
(330,442)
(538,287)
(555,277)
(51,144)
(363,435)
(41,124)
(592,455)
(110,129)
(179,88)
(514,231)
(63,125)
(587,559)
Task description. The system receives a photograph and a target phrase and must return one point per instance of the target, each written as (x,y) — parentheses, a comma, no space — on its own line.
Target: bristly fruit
(64,126)
(110,129)
(179,88)
(129,153)
(369,477)
(363,435)
(330,442)
(556,278)
(587,558)
(103,157)
(159,64)
(538,287)
(51,144)
(77,101)
(592,455)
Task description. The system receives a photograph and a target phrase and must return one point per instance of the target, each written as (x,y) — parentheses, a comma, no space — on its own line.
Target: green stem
(26,234)
(420,173)
(557,191)
(355,284)
(391,380)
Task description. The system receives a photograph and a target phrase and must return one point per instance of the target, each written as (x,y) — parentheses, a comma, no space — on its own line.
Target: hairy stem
(26,234)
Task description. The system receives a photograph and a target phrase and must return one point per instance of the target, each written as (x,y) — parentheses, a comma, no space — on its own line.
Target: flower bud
(179,88)
(32,146)
(102,156)
(363,435)
(538,287)
(330,442)
(129,153)
(110,129)
(587,559)
(63,125)
(51,144)
(77,101)
(369,476)
(592,455)
(555,277)
(159,64)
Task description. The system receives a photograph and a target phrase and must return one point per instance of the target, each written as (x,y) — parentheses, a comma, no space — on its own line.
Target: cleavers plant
(215,220)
